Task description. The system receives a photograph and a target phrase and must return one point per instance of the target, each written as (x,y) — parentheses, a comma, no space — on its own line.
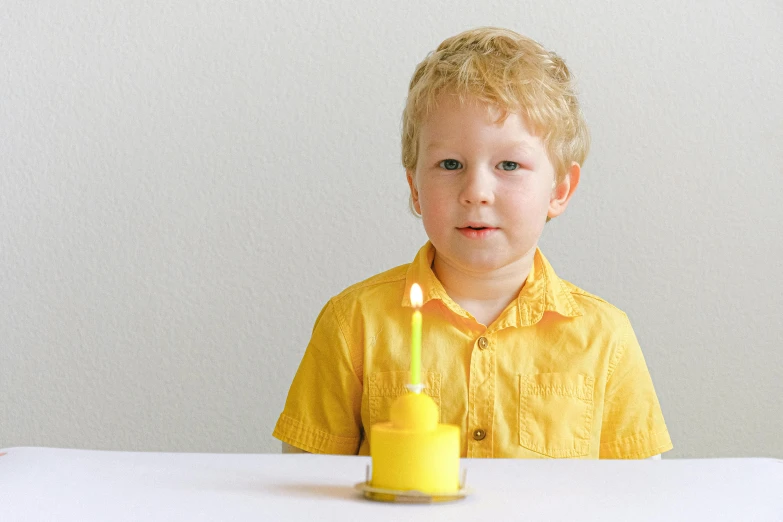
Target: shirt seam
(311,439)
(357,362)
(650,452)
(376,280)
(619,353)
(657,450)
(636,441)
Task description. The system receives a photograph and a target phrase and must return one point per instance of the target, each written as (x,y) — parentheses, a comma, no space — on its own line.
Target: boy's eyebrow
(436,145)
(523,145)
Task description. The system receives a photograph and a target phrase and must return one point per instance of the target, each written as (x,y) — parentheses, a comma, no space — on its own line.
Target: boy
(526,364)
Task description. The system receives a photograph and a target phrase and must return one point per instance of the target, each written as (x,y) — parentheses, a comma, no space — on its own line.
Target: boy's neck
(483,294)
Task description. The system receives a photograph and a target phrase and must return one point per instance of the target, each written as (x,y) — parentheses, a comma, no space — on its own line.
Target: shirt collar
(420,271)
(543,292)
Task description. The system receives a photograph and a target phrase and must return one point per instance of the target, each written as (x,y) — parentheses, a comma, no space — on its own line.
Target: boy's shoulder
(592,305)
(388,284)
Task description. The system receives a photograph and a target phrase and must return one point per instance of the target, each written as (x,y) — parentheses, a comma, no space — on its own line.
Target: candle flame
(416,297)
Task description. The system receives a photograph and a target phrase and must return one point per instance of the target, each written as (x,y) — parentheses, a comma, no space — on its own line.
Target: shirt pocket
(556,413)
(387,386)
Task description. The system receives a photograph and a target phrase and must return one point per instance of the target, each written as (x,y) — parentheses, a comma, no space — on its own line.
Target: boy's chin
(485,266)
(482,262)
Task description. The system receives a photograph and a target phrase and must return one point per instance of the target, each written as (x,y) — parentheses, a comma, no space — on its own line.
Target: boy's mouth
(476,226)
(476,230)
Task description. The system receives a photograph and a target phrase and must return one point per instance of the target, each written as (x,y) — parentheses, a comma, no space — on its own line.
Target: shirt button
(479,434)
(483,342)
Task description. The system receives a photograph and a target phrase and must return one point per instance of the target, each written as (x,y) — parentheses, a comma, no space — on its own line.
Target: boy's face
(484,188)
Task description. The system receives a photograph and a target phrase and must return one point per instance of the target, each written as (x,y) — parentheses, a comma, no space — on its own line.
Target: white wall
(183,187)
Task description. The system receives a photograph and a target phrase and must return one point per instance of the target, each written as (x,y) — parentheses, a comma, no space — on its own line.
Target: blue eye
(450,164)
(508,165)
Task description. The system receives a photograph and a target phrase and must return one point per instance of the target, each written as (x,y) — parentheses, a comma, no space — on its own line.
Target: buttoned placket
(481,396)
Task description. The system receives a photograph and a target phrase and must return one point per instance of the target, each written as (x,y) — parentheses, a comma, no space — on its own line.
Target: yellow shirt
(558,374)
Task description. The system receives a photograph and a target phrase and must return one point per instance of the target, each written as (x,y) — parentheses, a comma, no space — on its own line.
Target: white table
(79,485)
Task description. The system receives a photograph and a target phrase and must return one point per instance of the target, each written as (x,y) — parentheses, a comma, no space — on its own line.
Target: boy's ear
(414,191)
(562,192)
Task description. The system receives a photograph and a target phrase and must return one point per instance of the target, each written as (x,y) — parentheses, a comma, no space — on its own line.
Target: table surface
(66,484)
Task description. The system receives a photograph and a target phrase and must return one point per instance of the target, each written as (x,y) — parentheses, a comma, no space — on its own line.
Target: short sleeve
(322,412)
(633,425)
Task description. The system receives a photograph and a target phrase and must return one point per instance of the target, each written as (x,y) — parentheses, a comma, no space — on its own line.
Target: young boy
(526,364)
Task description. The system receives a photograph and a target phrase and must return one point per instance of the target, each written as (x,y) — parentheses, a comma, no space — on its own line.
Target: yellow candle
(416,348)
(416,302)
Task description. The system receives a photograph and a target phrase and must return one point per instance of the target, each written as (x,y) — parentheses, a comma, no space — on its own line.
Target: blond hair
(507,70)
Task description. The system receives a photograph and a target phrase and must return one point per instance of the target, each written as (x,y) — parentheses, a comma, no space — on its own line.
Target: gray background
(184,186)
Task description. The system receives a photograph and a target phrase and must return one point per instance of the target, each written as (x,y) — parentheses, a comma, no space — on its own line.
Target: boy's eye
(450,164)
(508,165)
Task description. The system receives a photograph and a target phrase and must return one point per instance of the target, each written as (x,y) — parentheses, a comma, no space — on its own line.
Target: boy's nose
(478,188)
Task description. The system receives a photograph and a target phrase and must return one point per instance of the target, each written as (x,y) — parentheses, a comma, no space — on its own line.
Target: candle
(416,302)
